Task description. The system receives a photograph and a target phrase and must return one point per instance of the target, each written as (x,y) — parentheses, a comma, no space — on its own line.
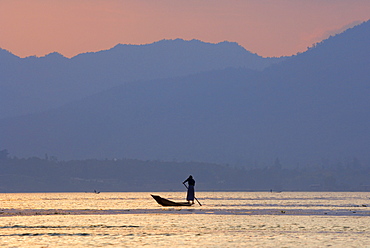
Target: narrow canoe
(167,203)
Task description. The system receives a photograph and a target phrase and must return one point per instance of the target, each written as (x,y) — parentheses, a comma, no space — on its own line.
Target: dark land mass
(126,175)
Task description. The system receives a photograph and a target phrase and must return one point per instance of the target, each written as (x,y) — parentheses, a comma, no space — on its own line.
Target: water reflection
(226,219)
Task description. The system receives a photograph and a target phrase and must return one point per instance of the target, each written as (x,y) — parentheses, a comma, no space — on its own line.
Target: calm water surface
(225,219)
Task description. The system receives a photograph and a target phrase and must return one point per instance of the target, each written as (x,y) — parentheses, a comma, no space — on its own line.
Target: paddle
(194,196)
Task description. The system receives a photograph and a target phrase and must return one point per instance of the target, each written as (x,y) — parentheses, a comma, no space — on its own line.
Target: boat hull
(167,203)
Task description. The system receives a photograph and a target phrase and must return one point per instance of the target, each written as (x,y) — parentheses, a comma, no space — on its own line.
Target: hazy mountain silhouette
(310,108)
(33,84)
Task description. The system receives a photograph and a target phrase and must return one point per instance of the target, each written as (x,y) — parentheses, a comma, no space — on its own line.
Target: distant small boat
(167,203)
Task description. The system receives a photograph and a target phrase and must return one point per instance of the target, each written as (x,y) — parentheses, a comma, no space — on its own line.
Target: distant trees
(115,175)
(4,154)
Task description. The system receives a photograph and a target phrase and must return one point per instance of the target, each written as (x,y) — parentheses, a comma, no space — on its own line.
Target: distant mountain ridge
(35,84)
(311,108)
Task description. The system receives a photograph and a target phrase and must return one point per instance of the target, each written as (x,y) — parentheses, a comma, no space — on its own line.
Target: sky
(270,28)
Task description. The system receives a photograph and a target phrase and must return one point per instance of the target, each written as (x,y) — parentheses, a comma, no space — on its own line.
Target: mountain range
(35,84)
(309,108)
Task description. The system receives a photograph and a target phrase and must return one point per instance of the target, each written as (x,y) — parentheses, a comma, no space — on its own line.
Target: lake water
(225,219)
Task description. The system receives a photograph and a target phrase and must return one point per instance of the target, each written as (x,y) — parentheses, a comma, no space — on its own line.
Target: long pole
(194,196)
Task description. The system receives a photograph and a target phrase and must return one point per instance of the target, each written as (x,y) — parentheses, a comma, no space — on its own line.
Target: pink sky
(265,27)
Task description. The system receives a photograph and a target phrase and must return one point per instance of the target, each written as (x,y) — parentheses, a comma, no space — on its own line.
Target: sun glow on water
(228,219)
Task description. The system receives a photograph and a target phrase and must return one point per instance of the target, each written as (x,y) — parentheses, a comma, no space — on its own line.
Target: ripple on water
(226,219)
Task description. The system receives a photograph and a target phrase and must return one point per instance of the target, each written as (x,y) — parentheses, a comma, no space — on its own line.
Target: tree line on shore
(47,174)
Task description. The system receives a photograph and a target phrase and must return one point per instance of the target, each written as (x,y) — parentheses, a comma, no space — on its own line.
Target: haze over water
(225,219)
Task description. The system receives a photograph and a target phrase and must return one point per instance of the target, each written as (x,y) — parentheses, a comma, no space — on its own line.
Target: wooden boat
(167,203)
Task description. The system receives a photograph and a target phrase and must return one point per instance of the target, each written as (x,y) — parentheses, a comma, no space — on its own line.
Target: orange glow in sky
(266,27)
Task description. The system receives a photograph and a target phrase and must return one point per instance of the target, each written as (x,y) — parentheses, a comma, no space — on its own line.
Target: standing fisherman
(191,183)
